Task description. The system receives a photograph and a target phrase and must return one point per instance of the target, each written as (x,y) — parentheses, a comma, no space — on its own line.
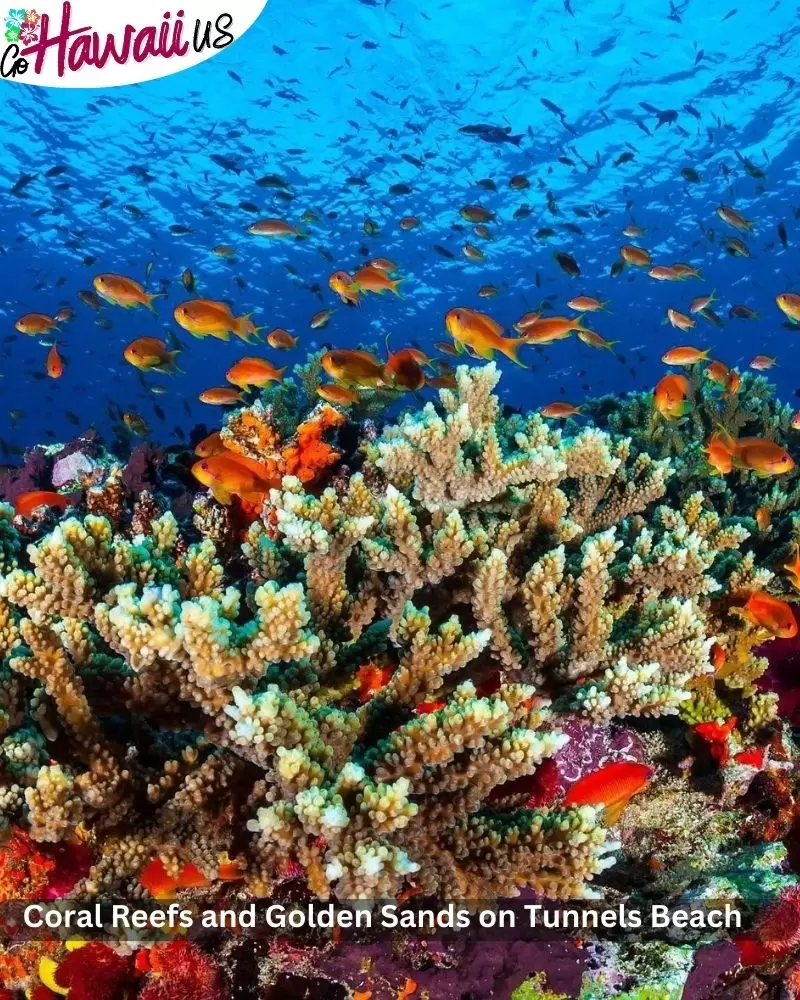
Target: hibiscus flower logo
(22,26)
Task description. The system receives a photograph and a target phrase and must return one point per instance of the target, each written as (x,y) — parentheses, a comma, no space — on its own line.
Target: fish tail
(155,295)
(610,345)
(394,286)
(172,364)
(511,348)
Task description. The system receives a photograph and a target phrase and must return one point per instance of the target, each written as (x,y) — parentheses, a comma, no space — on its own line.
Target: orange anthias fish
(481,335)
(342,283)
(671,396)
(664,272)
(125,292)
(354,368)
(635,256)
(719,455)
(228,475)
(770,613)
(320,319)
(34,324)
(338,394)
(595,340)
(26,503)
(789,305)
(763,518)
(371,679)
(679,320)
(256,372)
(734,219)
(281,340)
(383,264)
(684,356)
(715,735)
(220,396)
(373,279)
(701,302)
(476,213)
(793,569)
(547,329)
(612,787)
(274,227)
(559,410)
(718,372)
(759,455)
(762,362)
(586,303)
(403,370)
(151,354)
(685,271)
(734,383)
(55,366)
(206,318)
(211,445)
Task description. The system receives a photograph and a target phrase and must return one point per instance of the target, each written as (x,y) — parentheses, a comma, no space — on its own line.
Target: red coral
(181,971)
(24,868)
(778,927)
(94,972)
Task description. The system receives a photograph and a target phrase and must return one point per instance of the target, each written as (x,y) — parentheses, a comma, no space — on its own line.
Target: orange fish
(586,303)
(151,354)
(662,272)
(559,410)
(371,679)
(136,424)
(761,362)
(274,227)
(355,368)
(733,218)
(734,383)
(473,252)
(383,264)
(445,381)
(207,318)
(211,445)
(635,256)
(476,213)
(612,786)
(685,271)
(762,456)
(34,324)
(338,394)
(718,656)
(595,340)
(403,369)
(715,734)
(224,251)
(763,518)
(55,366)
(684,356)
(718,372)
(161,885)
(221,396)
(793,569)
(701,302)
(427,707)
(789,305)
(480,334)
(409,222)
(446,348)
(633,231)
(372,279)
(227,476)
(679,320)
(320,319)
(64,315)
(719,455)
(547,329)
(670,396)
(281,340)
(256,372)
(125,292)
(753,757)
(26,503)
(342,283)
(771,614)
(796,420)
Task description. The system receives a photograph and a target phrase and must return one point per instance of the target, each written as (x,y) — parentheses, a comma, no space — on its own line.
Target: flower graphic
(12,34)
(28,34)
(32,18)
(15,19)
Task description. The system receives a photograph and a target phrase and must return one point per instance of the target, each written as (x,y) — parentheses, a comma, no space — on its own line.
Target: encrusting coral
(363,688)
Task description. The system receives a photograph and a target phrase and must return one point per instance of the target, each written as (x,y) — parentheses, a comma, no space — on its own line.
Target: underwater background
(343,102)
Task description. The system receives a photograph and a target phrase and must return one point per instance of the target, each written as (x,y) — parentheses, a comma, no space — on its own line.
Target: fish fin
(510,349)
(255,497)
(220,495)
(613,812)
(460,349)
(395,289)
(155,295)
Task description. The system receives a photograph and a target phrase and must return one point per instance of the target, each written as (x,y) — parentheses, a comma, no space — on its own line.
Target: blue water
(342,89)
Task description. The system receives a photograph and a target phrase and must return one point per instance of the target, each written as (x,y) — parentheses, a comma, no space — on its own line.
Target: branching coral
(490,571)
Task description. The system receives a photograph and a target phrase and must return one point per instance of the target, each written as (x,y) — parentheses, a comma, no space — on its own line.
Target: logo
(94,43)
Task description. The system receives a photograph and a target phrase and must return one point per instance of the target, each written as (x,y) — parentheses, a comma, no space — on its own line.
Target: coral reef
(384,685)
